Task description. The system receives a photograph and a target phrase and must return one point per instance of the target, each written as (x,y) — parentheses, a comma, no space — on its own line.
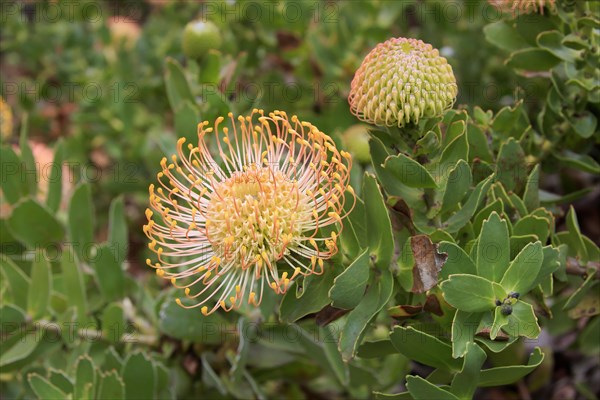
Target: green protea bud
(199,37)
(401,81)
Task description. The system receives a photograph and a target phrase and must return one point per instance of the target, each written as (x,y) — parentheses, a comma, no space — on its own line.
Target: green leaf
(550,264)
(552,42)
(111,386)
(459,182)
(33,225)
(139,377)
(501,35)
(424,348)
(11,175)
(496,346)
(210,377)
(589,337)
(409,172)
(576,236)
(501,376)
(28,160)
(420,389)
(60,380)
(379,227)
(44,389)
(584,124)
(324,352)
(72,277)
(21,349)
(493,251)
(455,128)
(511,122)
(532,59)
(246,331)
(471,293)
(465,382)
(511,168)
(522,321)
(456,150)
(55,178)
(18,282)
(117,229)
(531,198)
(464,328)
(186,121)
(40,287)
(11,318)
(377,296)
(582,162)
(189,324)
(588,306)
(210,67)
(540,227)
(500,320)
(479,148)
(412,196)
(523,270)
(353,235)
(109,274)
(112,360)
(496,205)
(377,349)
(461,217)
(113,322)
(313,298)
(349,287)
(582,290)
(178,90)
(85,378)
(81,221)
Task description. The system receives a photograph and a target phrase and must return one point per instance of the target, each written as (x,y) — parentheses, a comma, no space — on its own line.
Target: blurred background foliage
(104,90)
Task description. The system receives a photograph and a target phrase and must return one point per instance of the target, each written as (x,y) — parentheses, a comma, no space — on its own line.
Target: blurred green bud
(199,37)
(524,6)
(401,81)
(356,141)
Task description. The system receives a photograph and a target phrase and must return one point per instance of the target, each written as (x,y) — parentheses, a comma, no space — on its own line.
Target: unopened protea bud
(524,6)
(401,81)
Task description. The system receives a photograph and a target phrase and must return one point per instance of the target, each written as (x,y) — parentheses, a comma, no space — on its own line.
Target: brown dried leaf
(329,314)
(405,310)
(428,263)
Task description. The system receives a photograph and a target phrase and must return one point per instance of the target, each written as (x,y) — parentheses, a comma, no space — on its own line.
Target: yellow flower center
(256,216)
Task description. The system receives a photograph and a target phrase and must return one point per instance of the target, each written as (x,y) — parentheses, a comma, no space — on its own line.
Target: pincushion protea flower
(267,210)
(524,6)
(401,81)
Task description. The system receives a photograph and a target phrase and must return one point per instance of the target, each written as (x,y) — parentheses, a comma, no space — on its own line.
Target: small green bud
(356,140)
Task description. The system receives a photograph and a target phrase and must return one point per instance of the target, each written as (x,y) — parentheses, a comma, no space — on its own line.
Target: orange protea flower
(524,6)
(6,120)
(401,81)
(267,210)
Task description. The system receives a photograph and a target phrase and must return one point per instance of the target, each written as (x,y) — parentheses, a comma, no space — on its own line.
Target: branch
(575,268)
